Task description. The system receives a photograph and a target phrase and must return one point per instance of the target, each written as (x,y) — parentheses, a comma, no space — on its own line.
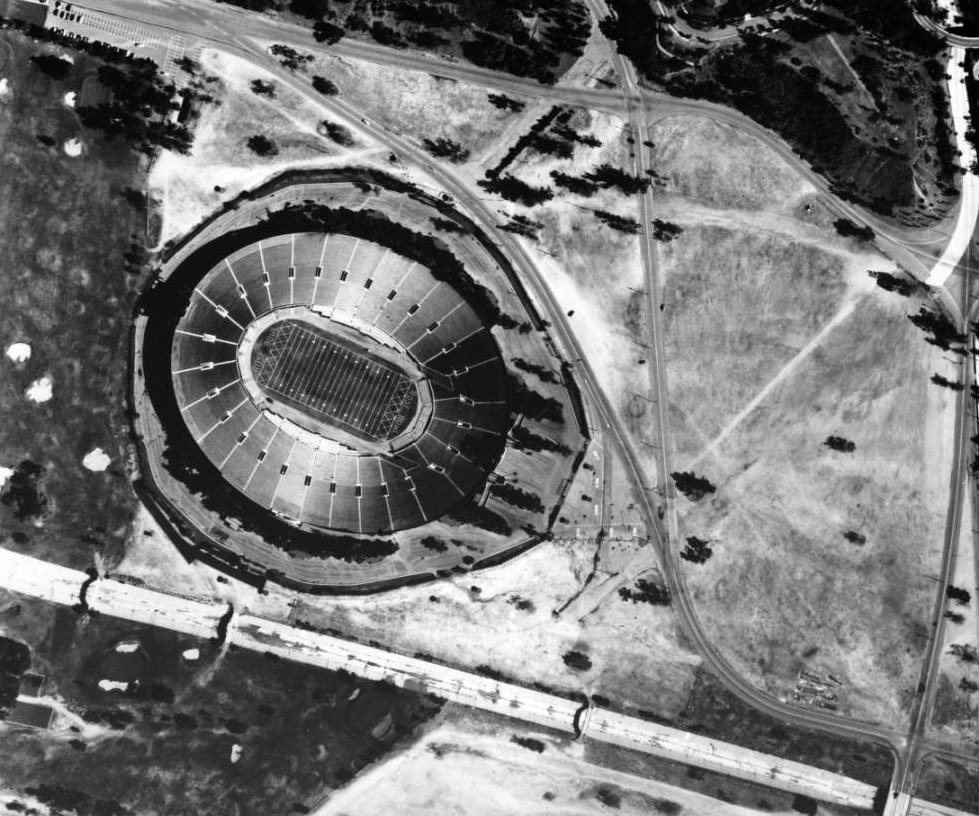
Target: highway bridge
(203,618)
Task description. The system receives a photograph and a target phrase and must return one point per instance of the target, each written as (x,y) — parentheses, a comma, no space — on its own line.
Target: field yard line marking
(777,380)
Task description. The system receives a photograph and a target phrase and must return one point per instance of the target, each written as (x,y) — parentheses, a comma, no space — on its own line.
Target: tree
(513,189)
(325,86)
(188,65)
(622,223)
(504,102)
(519,498)
(849,229)
(854,537)
(694,487)
(289,57)
(55,67)
(328,33)
(646,591)
(697,551)
(263,88)
(964,652)
(576,660)
(573,184)
(313,9)
(968,686)
(954,617)
(904,286)
(446,148)
(336,132)
(960,596)
(262,146)
(434,544)
(665,231)
(839,443)
(938,379)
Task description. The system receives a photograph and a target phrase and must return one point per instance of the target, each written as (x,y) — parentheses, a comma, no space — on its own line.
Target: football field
(309,370)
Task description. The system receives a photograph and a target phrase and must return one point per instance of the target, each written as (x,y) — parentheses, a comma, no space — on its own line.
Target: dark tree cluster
(336,132)
(542,373)
(529,743)
(606,176)
(646,591)
(532,404)
(665,231)
(696,551)
(622,223)
(839,443)
(471,513)
(261,87)
(938,379)
(525,439)
(522,225)
(262,146)
(513,189)
(959,595)
(965,652)
(443,148)
(289,57)
(855,538)
(692,486)
(325,86)
(942,330)
(24,492)
(504,102)
(54,66)
(574,184)
(446,225)
(15,659)
(901,285)
(61,798)
(434,544)
(576,660)
(849,229)
(138,110)
(324,32)
(518,497)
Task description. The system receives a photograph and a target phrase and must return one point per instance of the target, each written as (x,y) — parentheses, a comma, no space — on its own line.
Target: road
(34,578)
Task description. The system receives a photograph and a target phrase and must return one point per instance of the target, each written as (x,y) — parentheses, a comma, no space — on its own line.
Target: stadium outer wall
(325,575)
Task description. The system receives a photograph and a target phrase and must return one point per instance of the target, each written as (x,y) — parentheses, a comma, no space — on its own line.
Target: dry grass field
(777,339)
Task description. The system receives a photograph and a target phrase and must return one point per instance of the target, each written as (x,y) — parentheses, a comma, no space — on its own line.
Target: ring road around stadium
(338,384)
(320,394)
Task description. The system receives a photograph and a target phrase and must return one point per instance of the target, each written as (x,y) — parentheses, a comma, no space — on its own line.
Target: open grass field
(482,766)
(305,368)
(64,227)
(168,748)
(776,339)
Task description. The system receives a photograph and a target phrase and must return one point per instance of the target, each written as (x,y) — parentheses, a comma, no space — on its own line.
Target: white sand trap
(73,147)
(19,352)
(235,753)
(69,99)
(112,685)
(98,460)
(4,86)
(40,390)
(127,646)
(5,473)
(191,654)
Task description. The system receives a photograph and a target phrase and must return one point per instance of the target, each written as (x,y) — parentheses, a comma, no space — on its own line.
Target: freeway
(33,577)
(955,40)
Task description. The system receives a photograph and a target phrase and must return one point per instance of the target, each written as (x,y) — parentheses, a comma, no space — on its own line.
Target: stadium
(339,385)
